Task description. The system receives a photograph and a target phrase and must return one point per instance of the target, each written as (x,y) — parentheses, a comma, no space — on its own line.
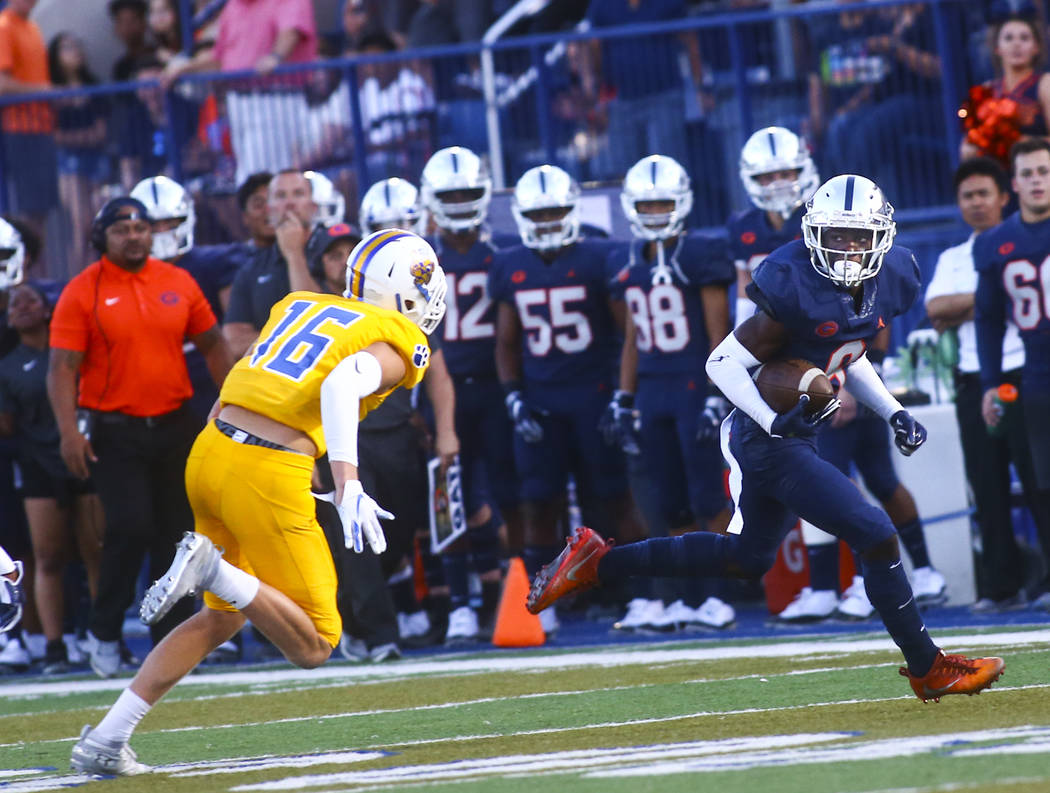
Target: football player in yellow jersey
(320,364)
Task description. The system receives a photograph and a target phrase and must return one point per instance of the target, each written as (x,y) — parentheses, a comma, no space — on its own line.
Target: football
(781,383)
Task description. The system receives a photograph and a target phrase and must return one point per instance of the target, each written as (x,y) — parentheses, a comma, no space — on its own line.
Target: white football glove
(360,515)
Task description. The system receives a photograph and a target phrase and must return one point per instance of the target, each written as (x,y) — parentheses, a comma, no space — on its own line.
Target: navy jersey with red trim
(824,326)
(1013,281)
(752,239)
(568,334)
(670,332)
(468,330)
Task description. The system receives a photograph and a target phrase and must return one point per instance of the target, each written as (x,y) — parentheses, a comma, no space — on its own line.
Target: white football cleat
(192,570)
(94,756)
(715,613)
(104,657)
(810,605)
(412,625)
(928,586)
(644,615)
(855,604)
(462,626)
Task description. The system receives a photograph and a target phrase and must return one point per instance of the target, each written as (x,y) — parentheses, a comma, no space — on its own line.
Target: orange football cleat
(955,674)
(573,570)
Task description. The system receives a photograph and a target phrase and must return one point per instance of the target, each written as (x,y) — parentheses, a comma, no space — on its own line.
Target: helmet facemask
(461,209)
(173,242)
(777,151)
(456,189)
(844,265)
(656,198)
(548,228)
(546,208)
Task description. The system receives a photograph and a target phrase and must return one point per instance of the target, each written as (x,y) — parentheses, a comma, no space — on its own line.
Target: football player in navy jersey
(779,177)
(456,190)
(822,299)
(675,286)
(857,439)
(556,352)
(213,267)
(1013,280)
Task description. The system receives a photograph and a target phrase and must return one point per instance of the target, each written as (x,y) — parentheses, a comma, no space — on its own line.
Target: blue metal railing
(380,132)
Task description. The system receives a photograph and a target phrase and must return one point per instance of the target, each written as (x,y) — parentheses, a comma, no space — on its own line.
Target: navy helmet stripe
(156,198)
(772,144)
(652,169)
(543,182)
(455,162)
(849,193)
(386,192)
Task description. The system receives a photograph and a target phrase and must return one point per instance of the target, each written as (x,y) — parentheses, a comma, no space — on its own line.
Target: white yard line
(596,658)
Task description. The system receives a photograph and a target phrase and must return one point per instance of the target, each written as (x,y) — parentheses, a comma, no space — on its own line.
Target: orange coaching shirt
(131,328)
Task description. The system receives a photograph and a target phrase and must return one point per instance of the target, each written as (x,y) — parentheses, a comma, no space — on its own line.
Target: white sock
(123,718)
(233,585)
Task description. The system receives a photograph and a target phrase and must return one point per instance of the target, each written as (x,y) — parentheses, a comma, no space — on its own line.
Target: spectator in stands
(165,26)
(643,75)
(259,35)
(1018,45)
(81,127)
(872,81)
(252,198)
(397,107)
(120,325)
(449,21)
(28,145)
(129,25)
(278,269)
(63,512)
(982,191)
(359,19)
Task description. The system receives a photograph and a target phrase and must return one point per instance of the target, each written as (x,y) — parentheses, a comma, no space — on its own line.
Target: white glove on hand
(360,515)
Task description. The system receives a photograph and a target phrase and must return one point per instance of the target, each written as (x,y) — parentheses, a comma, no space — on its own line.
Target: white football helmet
(851,202)
(391,204)
(398,270)
(546,187)
(166,199)
(331,206)
(12,597)
(656,178)
(774,149)
(455,169)
(12,255)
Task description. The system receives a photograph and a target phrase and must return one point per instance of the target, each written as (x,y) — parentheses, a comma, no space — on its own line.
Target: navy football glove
(716,408)
(796,424)
(620,424)
(525,417)
(908,434)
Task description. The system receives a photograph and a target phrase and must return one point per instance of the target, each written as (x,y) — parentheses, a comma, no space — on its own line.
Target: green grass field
(811,715)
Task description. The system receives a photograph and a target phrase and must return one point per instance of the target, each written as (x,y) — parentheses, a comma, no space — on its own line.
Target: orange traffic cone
(515,626)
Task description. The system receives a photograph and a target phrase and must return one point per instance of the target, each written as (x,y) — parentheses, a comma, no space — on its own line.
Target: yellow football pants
(255,503)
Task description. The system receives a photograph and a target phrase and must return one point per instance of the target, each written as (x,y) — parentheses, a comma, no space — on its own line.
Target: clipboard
(448,515)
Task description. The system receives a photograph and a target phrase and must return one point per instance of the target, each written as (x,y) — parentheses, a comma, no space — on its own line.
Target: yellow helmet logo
(421,272)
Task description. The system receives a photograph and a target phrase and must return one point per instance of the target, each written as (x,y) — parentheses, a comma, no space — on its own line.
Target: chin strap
(661,273)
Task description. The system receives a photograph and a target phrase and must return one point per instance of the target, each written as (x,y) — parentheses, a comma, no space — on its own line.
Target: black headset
(110,214)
